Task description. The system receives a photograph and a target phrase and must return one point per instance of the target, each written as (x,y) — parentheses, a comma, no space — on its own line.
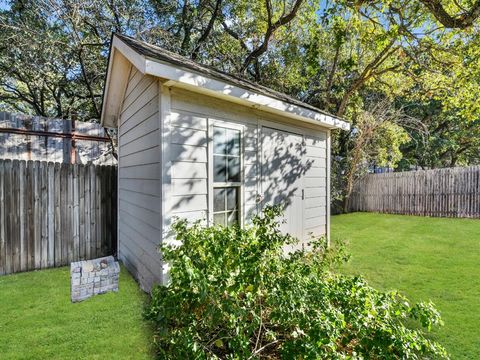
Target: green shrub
(234,294)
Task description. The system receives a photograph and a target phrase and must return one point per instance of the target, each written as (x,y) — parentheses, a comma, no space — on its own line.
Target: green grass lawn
(38,321)
(424,258)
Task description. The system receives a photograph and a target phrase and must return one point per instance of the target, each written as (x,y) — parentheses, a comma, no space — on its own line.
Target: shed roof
(179,71)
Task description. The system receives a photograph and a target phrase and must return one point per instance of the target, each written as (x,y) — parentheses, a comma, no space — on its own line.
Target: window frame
(214,185)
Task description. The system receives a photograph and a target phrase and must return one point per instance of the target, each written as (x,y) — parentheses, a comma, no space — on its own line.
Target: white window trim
(210,183)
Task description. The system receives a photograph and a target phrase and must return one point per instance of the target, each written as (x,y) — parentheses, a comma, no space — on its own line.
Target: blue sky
(4,5)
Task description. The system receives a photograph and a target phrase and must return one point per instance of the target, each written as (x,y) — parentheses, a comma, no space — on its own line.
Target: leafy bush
(235,294)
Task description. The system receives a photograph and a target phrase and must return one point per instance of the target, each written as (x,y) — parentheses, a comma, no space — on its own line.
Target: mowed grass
(424,258)
(38,321)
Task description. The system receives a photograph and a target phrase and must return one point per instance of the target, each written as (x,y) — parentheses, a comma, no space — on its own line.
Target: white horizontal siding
(315,191)
(148,112)
(139,187)
(251,138)
(143,99)
(146,127)
(313,182)
(315,202)
(250,157)
(189,186)
(146,201)
(186,203)
(193,216)
(134,79)
(141,156)
(146,186)
(143,142)
(314,222)
(251,170)
(189,139)
(315,231)
(319,140)
(250,196)
(186,136)
(188,168)
(144,88)
(188,153)
(186,102)
(189,120)
(148,171)
(148,216)
(318,211)
(187,117)
(136,230)
(189,157)
(316,172)
(144,264)
(315,152)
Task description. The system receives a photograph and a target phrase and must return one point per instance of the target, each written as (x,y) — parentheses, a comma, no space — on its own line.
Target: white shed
(197,143)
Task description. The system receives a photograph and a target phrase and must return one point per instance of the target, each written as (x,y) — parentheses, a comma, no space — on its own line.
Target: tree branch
(271,28)
(234,35)
(186,25)
(366,74)
(461,21)
(331,76)
(207,31)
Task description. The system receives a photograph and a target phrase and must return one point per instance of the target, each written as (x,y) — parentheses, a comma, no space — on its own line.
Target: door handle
(303,194)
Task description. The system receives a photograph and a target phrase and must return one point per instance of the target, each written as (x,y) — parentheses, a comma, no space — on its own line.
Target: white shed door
(283,170)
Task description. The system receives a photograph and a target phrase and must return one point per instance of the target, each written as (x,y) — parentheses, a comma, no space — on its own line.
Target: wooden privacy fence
(53,213)
(452,192)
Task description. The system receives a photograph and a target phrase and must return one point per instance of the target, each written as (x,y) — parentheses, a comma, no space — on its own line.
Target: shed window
(226,175)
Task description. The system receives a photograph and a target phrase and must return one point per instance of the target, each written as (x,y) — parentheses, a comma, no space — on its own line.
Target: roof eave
(120,59)
(184,78)
(175,76)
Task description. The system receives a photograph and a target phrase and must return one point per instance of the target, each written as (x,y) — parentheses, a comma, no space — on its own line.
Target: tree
(53,54)
(223,33)
(447,140)
(32,75)
(378,135)
(334,55)
(42,82)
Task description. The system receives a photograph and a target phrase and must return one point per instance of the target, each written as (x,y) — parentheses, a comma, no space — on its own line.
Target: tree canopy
(420,57)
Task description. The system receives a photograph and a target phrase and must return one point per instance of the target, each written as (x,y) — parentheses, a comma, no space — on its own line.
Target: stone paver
(93,277)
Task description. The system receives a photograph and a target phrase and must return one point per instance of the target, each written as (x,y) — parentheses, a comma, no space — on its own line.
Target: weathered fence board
(453,192)
(52,214)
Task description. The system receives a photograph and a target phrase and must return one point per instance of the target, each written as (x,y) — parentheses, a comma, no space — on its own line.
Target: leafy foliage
(234,293)
(450,141)
(336,55)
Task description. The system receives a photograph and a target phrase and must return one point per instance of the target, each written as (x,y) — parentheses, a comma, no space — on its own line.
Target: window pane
(232,198)
(234,169)
(232,218)
(219,140)
(219,168)
(219,199)
(219,219)
(233,142)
